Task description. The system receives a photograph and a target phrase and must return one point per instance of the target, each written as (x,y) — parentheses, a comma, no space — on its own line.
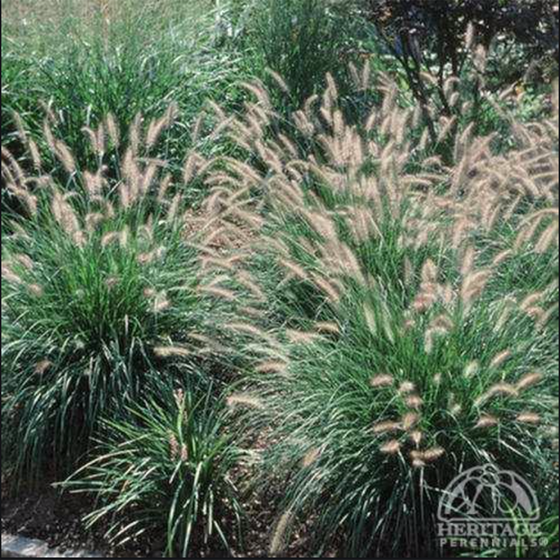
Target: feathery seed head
(391,447)
(529,418)
(35,289)
(386,427)
(383,380)
(529,380)
(42,366)
(416,437)
(487,421)
(311,457)
(172,351)
(407,387)
(173,447)
(410,420)
(471,369)
(245,399)
(499,389)
(500,358)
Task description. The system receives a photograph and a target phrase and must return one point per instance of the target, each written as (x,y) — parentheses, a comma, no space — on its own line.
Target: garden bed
(279,278)
(56,521)
(46,520)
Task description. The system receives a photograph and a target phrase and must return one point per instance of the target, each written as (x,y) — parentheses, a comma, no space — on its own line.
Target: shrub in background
(420,34)
(162,467)
(394,338)
(485,46)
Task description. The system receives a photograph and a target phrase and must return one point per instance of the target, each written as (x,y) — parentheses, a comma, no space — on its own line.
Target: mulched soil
(46,514)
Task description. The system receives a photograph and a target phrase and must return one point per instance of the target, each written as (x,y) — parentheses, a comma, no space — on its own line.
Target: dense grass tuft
(165,462)
(101,298)
(404,326)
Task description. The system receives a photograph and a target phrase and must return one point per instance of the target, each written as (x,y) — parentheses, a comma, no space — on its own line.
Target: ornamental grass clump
(400,315)
(163,466)
(101,297)
(78,61)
